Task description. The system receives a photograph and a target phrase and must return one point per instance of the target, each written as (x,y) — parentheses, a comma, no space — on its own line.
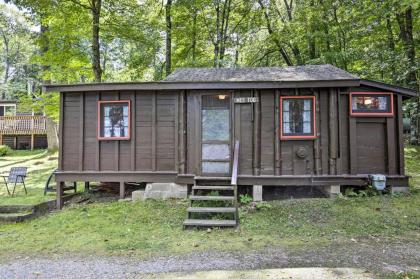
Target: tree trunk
(224,31)
(96,54)
(45,69)
(194,36)
(281,49)
(391,46)
(405,22)
(168,64)
(217,42)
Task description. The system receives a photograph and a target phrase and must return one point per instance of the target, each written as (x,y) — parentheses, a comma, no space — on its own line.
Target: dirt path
(375,257)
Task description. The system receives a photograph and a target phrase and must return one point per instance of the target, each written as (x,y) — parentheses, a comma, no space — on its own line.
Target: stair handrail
(234,178)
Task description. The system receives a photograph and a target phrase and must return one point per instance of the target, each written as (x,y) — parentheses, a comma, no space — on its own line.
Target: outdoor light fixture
(368,101)
(222,97)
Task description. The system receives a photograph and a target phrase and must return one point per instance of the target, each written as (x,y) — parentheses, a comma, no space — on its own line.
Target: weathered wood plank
(391,146)
(399,115)
(81,131)
(353,145)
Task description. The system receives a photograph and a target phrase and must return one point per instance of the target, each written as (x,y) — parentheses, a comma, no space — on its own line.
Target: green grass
(412,165)
(155,227)
(40,164)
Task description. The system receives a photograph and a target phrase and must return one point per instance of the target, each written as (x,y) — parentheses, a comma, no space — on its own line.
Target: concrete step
(209,223)
(214,188)
(212,198)
(211,209)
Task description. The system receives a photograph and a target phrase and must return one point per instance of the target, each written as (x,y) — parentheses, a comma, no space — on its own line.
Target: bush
(5,150)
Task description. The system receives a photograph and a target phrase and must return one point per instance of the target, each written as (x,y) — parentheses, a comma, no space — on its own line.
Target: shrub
(5,150)
(245,199)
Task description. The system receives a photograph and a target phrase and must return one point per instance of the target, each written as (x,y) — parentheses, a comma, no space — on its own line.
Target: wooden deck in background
(23,125)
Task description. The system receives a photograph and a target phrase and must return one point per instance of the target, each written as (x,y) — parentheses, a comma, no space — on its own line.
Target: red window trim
(381,114)
(99,120)
(313,136)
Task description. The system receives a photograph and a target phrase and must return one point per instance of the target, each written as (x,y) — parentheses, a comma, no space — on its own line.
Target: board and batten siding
(166,134)
(152,146)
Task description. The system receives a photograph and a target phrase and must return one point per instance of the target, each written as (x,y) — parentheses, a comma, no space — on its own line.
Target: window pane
(215,167)
(297,116)
(215,124)
(9,110)
(370,103)
(114,120)
(307,127)
(306,116)
(215,152)
(307,104)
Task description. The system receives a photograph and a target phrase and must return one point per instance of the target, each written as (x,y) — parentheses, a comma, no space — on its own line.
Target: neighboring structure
(296,126)
(21,131)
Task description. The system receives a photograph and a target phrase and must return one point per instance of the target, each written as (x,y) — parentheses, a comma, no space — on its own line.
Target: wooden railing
(22,124)
(234,178)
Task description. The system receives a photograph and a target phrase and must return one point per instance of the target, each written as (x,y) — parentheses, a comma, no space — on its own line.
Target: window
(371,104)
(114,120)
(297,117)
(7,110)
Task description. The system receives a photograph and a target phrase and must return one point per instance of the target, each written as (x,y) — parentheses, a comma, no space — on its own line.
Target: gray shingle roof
(263,74)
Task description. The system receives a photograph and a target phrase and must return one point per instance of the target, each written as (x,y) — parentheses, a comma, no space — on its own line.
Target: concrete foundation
(396,190)
(331,191)
(257,193)
(161,191)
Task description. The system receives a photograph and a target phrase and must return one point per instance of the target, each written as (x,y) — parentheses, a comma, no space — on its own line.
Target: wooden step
(209,223)
(211,209)
(220,178)
(212,198)
(214,188)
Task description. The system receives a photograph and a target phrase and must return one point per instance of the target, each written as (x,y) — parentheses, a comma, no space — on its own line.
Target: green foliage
(368,191)
(5,150)
(245,199)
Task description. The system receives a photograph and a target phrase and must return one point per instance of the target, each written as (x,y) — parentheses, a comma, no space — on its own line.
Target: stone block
(165,191)
(395,190)
(257,193)
(137,195)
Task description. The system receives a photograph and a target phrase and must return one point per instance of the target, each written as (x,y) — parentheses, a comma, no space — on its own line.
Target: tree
(94,6)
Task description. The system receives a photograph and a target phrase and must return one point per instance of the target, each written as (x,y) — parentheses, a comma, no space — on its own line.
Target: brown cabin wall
(165,133)
(153,133)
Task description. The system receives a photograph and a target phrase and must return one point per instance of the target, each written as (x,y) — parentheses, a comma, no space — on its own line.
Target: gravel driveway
(376,257)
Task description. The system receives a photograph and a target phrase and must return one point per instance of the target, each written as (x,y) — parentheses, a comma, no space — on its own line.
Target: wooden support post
(60,186)
(122,190)
(87,186)
(32,141)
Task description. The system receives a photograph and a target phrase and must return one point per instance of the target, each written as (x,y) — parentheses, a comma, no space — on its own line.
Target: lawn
(40,164)
(155,227)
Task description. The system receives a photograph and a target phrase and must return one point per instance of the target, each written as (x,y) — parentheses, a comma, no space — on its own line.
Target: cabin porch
(23,132)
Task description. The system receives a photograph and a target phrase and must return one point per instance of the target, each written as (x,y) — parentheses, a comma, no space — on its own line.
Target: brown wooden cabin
(296,126)
(21,131)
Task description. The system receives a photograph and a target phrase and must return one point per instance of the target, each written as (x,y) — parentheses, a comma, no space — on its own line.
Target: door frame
(229,93)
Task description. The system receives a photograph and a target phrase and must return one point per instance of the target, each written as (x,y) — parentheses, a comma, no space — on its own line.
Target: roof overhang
(388,87)
(145,86)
